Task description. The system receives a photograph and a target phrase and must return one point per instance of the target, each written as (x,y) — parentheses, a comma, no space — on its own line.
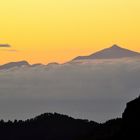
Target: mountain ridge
(25,63)
(112,52)
(14,64)
(54,126)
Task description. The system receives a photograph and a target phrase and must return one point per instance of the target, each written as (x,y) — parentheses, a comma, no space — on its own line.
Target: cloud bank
(96,90)
(5,45)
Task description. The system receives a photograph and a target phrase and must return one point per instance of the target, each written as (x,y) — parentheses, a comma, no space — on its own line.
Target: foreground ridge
(54,126)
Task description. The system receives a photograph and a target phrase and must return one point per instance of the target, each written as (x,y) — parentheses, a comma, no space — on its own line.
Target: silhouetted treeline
(61,127)
(54,127)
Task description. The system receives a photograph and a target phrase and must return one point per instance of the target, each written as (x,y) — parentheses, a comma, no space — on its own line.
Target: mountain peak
(114,52)
(115,47)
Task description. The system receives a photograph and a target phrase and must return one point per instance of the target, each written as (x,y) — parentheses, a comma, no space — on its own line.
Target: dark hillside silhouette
(131,120)
(55,126)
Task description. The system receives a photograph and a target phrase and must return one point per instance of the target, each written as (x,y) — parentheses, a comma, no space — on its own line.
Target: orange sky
(58,30)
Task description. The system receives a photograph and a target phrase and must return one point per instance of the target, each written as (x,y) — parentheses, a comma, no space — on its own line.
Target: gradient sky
(58,30)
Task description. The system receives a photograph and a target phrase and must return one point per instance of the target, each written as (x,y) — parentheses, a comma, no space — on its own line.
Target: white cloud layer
(96,90)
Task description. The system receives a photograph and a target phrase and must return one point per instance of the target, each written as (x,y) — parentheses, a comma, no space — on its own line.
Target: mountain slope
(110,53)
(14,64)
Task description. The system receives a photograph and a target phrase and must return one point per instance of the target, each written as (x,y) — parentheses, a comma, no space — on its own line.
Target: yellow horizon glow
(59,30)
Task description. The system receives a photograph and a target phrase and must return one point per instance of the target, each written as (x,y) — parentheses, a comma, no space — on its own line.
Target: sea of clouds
(97,90)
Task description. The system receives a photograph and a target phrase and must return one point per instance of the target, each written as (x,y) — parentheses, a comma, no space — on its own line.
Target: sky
(59,30)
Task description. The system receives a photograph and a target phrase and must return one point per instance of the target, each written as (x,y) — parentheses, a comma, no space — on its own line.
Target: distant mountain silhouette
(14,64)
(110,53)
(53,64)
(113,52)
(25,63)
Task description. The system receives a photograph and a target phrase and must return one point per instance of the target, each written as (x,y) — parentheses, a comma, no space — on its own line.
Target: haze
(96,89)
